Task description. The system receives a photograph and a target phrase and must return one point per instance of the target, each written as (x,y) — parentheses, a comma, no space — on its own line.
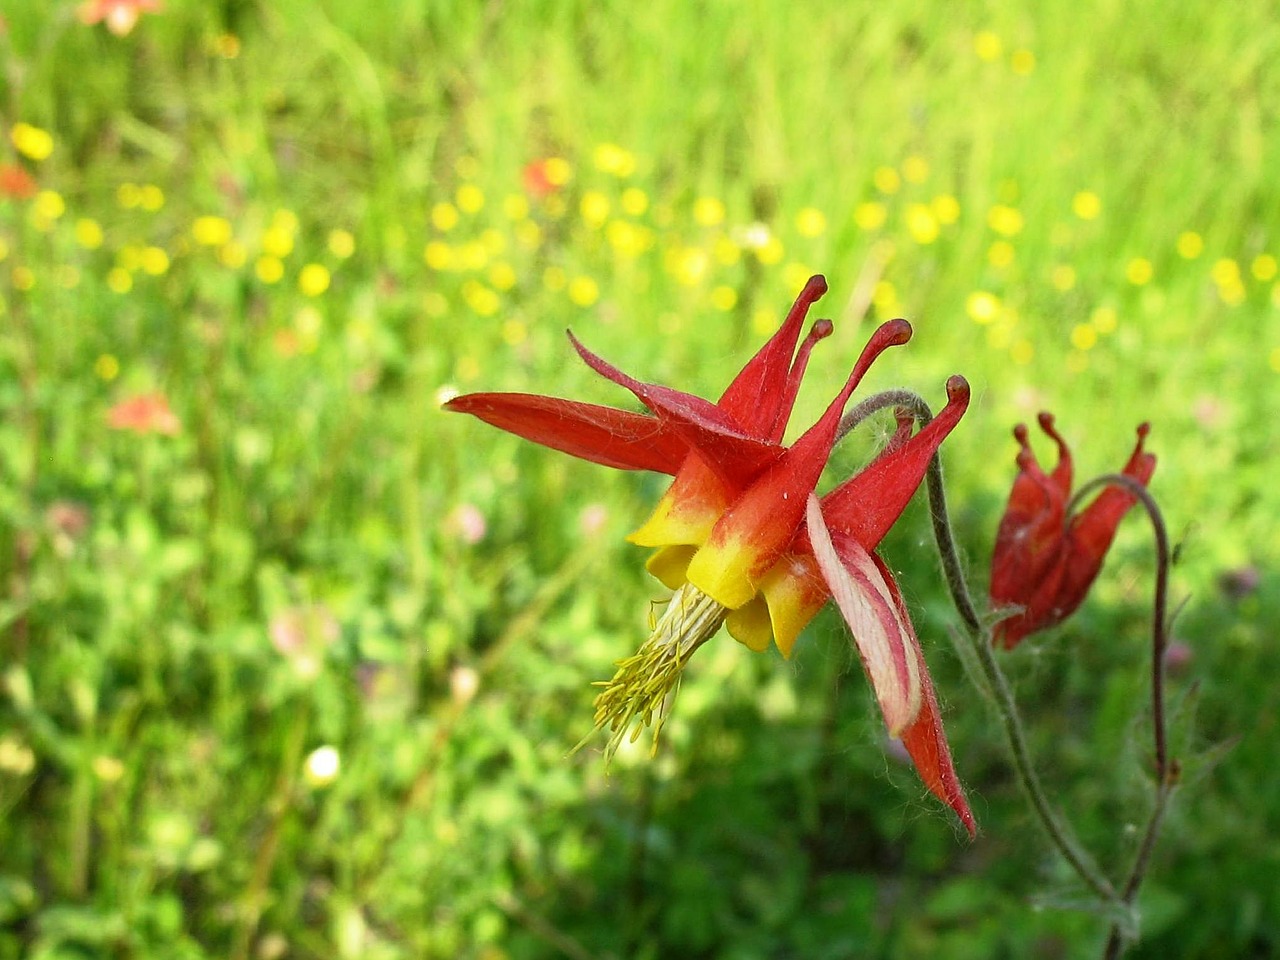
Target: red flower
(537,178)
(1045,562)
(740,535)
(121,15)
(146,413)
(16,183)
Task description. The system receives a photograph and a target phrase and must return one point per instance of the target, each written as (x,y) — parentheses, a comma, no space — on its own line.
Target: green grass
(154,795)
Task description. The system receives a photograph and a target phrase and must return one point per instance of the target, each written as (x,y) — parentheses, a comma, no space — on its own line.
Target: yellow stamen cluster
(643,685)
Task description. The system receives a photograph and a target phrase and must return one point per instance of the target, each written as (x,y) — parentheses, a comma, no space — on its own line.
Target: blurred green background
(292,661)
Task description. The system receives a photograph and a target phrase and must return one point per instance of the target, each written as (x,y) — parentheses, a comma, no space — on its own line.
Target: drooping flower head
(740,535)
(1044,561)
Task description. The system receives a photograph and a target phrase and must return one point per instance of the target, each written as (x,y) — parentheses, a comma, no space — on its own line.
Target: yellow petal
(669,564)
(750,625)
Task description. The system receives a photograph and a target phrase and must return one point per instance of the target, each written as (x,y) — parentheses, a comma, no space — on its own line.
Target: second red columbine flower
(740,535)
(1044,561)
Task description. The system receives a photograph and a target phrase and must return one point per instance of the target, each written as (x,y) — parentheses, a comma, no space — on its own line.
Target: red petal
(925,739)
(1094,528)
(866,505)
(758,398)
(615,438)
(705,427)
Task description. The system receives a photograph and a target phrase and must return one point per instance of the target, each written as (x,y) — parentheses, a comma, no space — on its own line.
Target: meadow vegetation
(291,661)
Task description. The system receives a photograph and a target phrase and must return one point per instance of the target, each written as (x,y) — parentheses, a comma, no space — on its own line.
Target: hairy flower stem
(980,641)
(1167,771)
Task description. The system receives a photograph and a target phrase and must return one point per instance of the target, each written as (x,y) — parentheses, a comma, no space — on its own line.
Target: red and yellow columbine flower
(740,536)
(1044,561)
(121,16)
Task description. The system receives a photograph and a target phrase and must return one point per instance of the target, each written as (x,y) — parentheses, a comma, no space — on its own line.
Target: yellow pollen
(642,688)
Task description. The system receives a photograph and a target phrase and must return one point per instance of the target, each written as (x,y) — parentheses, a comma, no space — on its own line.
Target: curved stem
(980,639)
(1167,771)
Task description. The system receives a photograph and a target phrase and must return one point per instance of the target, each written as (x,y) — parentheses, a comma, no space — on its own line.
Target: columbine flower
(121,16)
(1044,561)
(741,538)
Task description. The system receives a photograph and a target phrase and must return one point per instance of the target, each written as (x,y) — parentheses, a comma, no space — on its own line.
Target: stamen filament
(642,686)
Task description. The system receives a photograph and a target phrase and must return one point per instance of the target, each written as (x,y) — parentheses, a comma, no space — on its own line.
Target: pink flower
(121,16)
(145,413)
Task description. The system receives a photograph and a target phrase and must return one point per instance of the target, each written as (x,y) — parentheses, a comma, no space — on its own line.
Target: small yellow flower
(1005,220)
(515,206)
(1263,267)
(106,367)
(277,241)
(32,142)
(594,208)
(770,252)
(810,222)
(1023,62)
(1083,336)
(1000,254)
(1139,271)
(341,243)
(915,169)
(987,45)
(921,223)
(1063,277)
(313,279)
(583,291)
(285,220)
(946,208)
(1086,205)
(150,198)
(1225,272)
(119,280)
(128,195)
(483,301)
(557,170)
(982,307)
(886,180)
(88,233)
(724,298)
(269,269)
(438,255)
(502,275)
(153,261)
(1190,244)
(211,231)
(1232,294)
(689,265)
(708,211)
(444,216)
(470,198)
(634,201)
(870,215)
(48,205)
(611,158)
(1104,319)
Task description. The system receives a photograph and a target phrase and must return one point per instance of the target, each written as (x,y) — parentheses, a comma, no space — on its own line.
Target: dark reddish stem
(1167,771)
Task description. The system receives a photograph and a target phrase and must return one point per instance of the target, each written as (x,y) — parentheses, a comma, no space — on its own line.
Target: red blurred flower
(146,413)
(740,535)
(1044,562)
(16,183)
(537,182)
(121,16)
